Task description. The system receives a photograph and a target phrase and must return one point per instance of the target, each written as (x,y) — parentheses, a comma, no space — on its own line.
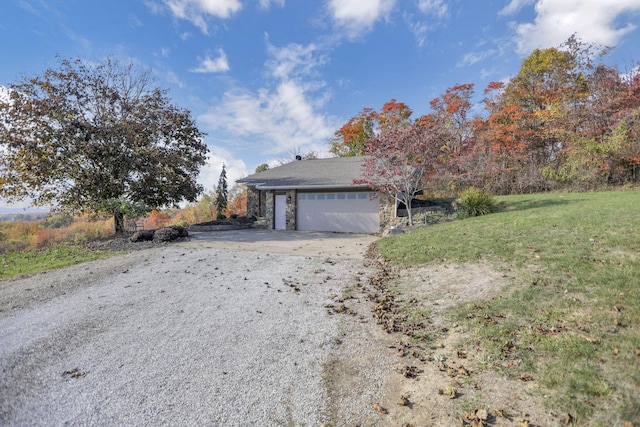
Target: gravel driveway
(195,333)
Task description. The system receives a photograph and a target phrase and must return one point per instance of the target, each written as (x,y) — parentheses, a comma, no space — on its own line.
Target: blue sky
(266,78)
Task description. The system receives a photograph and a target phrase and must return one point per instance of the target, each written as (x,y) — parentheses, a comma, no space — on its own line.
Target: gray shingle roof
(337,172)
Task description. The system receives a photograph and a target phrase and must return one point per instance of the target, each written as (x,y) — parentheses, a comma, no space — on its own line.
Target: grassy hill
(568,315)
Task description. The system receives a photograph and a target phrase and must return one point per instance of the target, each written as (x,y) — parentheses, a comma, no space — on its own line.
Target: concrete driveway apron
(303,243)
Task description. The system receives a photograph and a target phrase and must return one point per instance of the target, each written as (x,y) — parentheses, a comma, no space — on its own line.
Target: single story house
(317,195)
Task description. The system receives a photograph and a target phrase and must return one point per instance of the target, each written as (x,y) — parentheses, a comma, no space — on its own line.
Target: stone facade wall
(263,204)
(269,208)
(292,209)
(253,202)
(387,211)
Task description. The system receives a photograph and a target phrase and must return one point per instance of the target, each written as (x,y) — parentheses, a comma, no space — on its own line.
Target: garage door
(348,212)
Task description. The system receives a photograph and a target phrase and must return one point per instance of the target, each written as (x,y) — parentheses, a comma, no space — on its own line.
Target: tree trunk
(118,222)
(407,203)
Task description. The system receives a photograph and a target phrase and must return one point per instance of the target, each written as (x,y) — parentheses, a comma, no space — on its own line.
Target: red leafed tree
(452,117)
(394,115)
(502,138)
(400,159)
(453,108)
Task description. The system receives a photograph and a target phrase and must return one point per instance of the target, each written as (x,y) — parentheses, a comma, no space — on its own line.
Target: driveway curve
(228,328)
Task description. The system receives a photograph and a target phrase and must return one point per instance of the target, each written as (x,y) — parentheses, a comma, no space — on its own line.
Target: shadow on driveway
(303,243)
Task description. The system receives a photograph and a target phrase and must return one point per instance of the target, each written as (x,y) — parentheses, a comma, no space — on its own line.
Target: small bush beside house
(474,202)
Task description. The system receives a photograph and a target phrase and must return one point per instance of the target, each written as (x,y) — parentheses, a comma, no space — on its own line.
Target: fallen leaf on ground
(450,391)
(567,420)
(410,371)
(378,408)
(482,414)
(502,413)
(404,400)
(526,377)
(74,373)
(477,418)
(463,371)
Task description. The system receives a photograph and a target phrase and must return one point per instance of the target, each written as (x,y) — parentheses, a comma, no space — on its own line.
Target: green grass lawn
(30,262)
(571,315)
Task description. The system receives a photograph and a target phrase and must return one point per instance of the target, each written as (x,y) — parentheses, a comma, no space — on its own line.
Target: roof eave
(265,186)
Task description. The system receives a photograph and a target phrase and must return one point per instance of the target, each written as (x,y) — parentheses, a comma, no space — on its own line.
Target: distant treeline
(28,216)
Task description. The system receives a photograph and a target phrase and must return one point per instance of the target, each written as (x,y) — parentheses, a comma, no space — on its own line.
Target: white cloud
(628,76)
(436,11)
(284,115)
(197,11)
(293,60)
(153,6)
(275,121)
(514,6)
(173,78)
(356,17)
(134,22)
(474,57)
(594,21)
(433,7)
(265,4)
(210,172)
(419,29)
(215,65)
(4,94)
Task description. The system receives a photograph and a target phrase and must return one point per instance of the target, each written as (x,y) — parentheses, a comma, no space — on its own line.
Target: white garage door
(349,212)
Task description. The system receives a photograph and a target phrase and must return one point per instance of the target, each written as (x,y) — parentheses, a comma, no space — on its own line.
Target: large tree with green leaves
(97,138)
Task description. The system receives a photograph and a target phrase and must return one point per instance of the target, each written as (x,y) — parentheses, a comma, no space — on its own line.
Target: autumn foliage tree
(561,122)
(352,137)
(565,120)
(237,201)
(97,138)
(156,219)
(400,159)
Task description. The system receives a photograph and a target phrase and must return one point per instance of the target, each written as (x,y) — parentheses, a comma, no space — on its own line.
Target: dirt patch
(443,377)
(445,285)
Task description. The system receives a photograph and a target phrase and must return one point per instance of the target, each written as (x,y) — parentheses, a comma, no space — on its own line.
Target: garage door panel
(353,212)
